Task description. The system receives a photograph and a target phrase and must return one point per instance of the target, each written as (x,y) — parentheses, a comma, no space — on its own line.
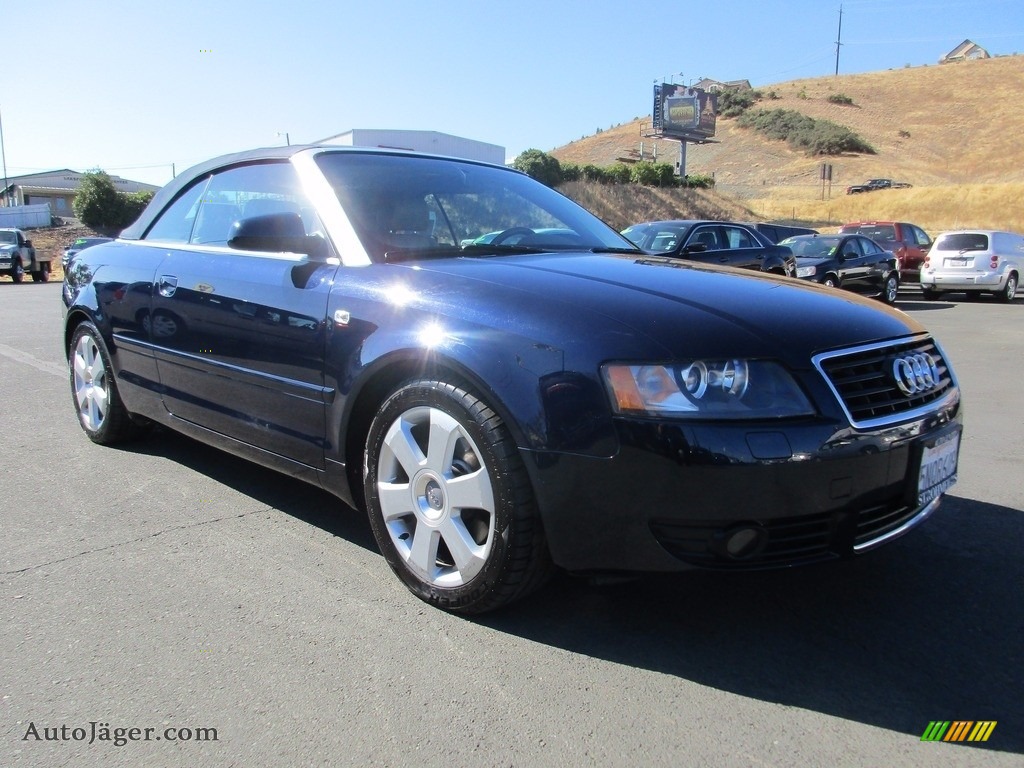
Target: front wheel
(94,390)
(17,271)
(1009,290)
(449,499)
(830,281)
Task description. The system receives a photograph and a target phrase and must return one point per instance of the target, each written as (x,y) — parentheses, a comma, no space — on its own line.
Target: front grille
(788,541)
(878,521)
(862,379)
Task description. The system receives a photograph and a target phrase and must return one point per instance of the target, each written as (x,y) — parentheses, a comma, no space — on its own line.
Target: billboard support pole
(682,158)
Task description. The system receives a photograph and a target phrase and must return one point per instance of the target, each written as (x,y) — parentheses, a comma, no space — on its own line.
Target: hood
(682,309)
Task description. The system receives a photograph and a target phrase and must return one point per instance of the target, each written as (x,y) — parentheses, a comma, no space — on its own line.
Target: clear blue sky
(134,87)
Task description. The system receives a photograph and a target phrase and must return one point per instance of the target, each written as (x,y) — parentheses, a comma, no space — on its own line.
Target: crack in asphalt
(40,365)
(153,535)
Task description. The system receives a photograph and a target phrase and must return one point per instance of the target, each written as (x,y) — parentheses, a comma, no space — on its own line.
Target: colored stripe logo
(959,730)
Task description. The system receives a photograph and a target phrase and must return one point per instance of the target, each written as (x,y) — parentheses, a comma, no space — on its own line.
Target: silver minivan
(973,261)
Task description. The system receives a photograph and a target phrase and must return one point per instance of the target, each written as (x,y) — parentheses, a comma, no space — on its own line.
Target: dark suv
(724,243)
(907,242)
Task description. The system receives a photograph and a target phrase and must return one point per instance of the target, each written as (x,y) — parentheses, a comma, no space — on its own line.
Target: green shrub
(816,137)
(619,173)
(839,98)
(100,206)
(592,172)
(733,103)
(699,181)
(571,172)
(540,165)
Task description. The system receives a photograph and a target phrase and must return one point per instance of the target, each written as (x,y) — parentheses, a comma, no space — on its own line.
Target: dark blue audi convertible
(501,381)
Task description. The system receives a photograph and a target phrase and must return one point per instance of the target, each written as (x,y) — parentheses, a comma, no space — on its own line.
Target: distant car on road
(908,242)
(873,185)
(723,243)
(974,261)
(79,244)
(852,262)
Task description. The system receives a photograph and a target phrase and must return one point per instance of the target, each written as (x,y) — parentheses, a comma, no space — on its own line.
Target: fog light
(740,542)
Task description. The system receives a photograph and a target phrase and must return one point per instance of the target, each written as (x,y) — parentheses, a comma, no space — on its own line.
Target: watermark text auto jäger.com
(97,731)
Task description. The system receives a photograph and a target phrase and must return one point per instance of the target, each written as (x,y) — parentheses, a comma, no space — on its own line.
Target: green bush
(100,206)
(619,173)
(839,98)
(733,103)
(816,137)
(540,165)
(592,172)
(699,181)
(571,172)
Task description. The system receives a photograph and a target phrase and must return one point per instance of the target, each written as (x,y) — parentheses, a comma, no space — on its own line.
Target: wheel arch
(385,376)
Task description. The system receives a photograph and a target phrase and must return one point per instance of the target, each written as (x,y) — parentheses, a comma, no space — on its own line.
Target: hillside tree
(99,205)
(539,165)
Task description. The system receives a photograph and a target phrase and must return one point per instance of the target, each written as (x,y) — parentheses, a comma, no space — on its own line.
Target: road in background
(165,585)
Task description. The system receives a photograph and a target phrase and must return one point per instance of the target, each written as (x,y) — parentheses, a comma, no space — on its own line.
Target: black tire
(98,404)
(1009,290)
(929,294)
(466,558)
(891,289)
(44,273)
(831,281)
(17,271)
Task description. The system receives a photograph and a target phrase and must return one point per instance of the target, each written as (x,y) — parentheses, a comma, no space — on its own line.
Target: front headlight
(806,271)
(728,389)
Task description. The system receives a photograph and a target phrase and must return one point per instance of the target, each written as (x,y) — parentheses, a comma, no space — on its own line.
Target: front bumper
(737,496)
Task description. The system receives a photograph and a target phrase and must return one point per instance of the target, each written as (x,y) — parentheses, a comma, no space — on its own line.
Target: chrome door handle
(166,285)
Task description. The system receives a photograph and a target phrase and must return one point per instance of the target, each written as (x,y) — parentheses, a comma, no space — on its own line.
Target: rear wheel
(891,289)
(929,294)
(1010,289)
(449,499)
(94,390)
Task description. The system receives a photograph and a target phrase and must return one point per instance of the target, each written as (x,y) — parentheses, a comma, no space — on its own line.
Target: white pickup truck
(17,256)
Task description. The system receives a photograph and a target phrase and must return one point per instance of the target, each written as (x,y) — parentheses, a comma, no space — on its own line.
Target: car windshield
(962,241)
(8,237)
(811,247)
(410,207)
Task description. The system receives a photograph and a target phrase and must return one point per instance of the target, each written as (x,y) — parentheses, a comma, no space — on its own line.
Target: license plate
(959,262)
(938,468)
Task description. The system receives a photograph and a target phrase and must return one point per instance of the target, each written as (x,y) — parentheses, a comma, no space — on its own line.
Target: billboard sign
(684,113)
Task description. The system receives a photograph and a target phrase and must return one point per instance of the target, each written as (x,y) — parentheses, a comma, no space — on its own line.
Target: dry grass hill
(953,131)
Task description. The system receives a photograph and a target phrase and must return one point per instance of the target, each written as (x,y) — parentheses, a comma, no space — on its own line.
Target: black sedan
(549,397)
(723,243)
(853,262)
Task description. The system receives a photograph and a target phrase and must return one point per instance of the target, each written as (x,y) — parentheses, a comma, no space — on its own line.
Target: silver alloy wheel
(1011,288)
(436,497)
(892,289)
(90,383)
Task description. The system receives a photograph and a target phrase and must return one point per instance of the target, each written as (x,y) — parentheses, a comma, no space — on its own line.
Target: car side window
(922,236)
(740,238)
(706,236)
(870,247)
(248,191)
(177,221)
(851,248)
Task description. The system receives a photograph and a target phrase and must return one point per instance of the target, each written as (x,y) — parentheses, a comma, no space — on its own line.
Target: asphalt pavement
(165,604)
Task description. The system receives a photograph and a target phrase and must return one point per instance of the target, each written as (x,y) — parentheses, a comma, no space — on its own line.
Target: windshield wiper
(608,249)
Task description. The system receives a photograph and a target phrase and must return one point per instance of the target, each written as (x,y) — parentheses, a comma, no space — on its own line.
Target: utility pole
(4,156)
(839,38)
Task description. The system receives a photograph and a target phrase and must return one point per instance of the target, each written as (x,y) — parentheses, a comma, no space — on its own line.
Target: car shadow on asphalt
(296,498)
(930,627)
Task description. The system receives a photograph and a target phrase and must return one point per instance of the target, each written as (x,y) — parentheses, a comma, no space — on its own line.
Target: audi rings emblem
(915,374)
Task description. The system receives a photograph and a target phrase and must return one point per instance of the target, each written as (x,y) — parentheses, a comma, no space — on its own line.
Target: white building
(58,188)
(430,142)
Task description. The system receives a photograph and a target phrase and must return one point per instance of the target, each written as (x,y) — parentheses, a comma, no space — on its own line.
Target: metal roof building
(420,141)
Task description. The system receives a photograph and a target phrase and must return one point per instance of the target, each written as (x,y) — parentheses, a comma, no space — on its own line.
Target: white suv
(974,261)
